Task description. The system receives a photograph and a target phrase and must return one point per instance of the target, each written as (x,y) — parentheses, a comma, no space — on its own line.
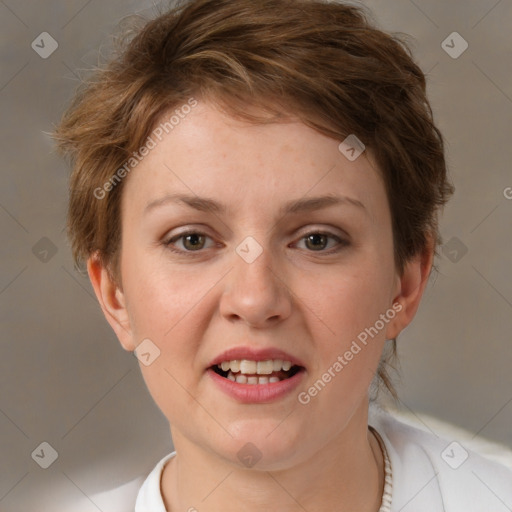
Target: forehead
(241,165)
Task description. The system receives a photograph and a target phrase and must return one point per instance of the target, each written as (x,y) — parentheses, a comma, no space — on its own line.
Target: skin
(195,305)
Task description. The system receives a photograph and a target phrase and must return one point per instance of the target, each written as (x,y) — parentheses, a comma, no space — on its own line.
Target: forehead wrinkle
(209,205)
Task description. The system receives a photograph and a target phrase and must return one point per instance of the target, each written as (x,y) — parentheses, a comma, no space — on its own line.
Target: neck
(345,474)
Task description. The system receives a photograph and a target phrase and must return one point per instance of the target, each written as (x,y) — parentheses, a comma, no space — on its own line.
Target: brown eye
(316,241)
(192,241)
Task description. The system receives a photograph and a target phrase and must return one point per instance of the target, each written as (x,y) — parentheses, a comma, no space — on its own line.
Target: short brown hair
(321,61)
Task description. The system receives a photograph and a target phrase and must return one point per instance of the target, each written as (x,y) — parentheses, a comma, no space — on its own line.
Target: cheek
(160,296)
(348,301)
(170,309)
(350,347)
(173,308)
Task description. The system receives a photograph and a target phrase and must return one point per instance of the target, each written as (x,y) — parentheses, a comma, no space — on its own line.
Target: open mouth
(256,372)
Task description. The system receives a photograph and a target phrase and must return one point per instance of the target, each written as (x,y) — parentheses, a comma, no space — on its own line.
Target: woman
(255,190)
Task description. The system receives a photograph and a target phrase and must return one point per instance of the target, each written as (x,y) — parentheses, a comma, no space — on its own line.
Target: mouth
(252,375)
(250,372)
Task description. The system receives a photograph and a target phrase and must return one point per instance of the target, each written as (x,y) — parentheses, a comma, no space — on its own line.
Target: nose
(256,293)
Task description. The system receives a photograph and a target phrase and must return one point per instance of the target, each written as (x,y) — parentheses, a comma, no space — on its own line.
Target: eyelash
(341,242)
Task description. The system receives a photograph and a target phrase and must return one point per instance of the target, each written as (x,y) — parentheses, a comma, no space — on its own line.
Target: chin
(261,444)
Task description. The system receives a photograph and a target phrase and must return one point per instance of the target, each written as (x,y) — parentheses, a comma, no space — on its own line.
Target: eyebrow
(208,205)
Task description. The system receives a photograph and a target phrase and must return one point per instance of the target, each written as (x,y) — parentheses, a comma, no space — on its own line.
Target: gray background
(65,379)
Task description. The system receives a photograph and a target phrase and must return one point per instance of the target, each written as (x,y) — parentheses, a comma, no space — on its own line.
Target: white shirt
(429,474)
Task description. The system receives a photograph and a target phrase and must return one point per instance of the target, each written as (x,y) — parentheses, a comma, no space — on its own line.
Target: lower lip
(256,393)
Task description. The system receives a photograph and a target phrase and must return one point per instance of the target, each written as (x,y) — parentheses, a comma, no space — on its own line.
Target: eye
(191,241)
(195,241)
(318,241)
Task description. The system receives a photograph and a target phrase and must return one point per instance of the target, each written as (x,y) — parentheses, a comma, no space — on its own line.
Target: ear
(112,301)
(409,289)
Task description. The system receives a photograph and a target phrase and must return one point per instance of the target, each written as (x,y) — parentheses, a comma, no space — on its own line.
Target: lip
(255,354)
(256,393)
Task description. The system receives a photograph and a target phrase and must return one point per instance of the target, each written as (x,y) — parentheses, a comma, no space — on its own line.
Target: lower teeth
(240,378)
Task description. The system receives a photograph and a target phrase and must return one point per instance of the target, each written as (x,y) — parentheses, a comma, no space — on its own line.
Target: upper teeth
(246,366)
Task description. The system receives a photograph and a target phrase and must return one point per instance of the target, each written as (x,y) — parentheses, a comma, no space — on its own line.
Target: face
(266,269)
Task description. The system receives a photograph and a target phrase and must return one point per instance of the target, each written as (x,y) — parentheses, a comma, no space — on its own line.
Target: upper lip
(254,354)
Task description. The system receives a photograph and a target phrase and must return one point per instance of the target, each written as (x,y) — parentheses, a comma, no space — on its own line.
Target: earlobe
(411,286)
(112,301)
